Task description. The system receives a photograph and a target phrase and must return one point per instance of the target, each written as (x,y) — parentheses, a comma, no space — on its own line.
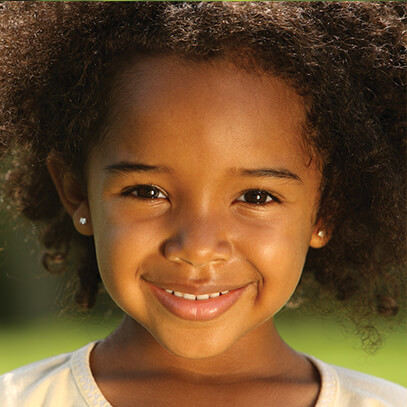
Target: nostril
(195,264)
(196,253)
(172,250)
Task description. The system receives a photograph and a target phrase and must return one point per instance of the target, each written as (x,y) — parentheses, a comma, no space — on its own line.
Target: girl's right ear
(72,195)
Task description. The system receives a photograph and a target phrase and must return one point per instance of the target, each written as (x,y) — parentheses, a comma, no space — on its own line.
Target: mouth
(199,297)
(196,307)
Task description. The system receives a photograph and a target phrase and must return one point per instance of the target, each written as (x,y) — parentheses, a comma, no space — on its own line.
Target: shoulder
(344,387)
(51,381)
(359,386)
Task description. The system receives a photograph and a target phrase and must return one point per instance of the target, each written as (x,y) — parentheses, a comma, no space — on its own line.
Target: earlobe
(320,236)
(81,219)
(72,195)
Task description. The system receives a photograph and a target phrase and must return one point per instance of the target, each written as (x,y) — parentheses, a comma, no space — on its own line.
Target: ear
(72,195)
(320,235)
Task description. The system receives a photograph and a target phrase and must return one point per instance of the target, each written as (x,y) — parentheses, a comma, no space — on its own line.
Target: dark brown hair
(346,58)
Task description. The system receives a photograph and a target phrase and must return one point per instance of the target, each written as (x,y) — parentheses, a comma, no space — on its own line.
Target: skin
(202,126)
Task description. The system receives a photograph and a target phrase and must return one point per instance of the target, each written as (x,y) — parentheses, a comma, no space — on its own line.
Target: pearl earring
(83,221)
(321,234)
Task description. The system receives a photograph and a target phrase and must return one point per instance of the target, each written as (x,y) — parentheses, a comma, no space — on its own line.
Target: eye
(257,197)
(145,192)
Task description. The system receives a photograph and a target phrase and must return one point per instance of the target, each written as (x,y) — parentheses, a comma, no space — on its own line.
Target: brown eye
(146,192)
(256,197)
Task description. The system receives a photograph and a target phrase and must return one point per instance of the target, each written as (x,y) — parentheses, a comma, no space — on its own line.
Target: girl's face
(202,186)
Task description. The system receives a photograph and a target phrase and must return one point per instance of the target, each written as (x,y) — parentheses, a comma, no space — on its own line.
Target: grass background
(24,343)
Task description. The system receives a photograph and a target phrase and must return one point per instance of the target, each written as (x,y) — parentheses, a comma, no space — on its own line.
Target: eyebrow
(269,172)
(125,167)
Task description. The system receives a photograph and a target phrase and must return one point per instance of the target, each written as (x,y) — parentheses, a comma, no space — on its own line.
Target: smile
(187,296)
(199,307)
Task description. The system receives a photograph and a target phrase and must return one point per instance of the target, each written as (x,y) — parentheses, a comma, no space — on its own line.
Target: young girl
(197,159)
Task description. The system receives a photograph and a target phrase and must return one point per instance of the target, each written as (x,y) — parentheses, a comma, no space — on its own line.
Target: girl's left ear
(71,194)
(320,236)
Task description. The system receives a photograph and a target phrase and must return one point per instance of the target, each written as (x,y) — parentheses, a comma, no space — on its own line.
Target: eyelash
(256,193)
(270,198)
(133,191)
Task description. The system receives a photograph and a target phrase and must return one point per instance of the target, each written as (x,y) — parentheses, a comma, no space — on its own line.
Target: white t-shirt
(66,380)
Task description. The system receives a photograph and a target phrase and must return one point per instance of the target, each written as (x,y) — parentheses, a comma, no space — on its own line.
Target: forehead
(148,80)
(213,102)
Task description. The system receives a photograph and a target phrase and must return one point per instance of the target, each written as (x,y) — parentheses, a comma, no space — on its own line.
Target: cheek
(277,250)
(123,246)
(280,241)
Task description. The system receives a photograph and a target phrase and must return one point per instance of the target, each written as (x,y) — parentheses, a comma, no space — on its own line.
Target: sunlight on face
(202,187)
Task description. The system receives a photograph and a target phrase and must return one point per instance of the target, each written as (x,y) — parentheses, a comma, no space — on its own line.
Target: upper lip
(196,289)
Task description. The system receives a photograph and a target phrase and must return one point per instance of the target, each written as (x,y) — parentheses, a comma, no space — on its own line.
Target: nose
(198,242)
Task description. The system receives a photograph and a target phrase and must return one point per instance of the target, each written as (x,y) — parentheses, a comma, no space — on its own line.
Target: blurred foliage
(26,290)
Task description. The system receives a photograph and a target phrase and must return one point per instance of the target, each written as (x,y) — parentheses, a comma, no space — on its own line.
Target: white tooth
(202,297)
(213,295)
(178,294)
(189,296)
(224,292)
(169,291)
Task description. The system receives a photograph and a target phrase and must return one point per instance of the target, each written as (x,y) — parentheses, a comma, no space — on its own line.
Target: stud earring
(83,221)
(321,234)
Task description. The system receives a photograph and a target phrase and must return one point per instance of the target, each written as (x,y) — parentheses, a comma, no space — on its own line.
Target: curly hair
(58,59)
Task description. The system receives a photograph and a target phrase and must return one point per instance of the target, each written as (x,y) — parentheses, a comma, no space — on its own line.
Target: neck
(261,353)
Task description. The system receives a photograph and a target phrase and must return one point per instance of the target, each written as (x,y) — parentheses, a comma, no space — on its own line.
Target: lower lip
(196,310)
